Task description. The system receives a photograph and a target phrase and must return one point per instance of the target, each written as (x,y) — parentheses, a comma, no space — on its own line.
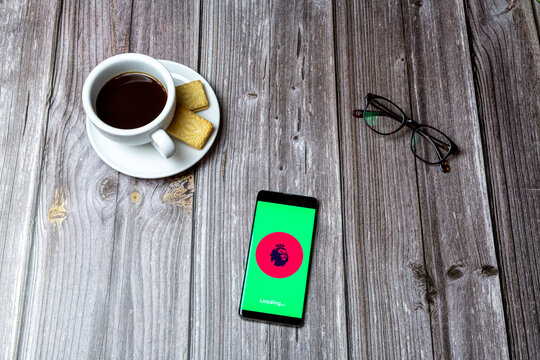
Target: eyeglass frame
(414,126)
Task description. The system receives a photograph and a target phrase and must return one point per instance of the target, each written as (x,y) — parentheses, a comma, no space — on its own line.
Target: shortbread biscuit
(190,128)
(192,96)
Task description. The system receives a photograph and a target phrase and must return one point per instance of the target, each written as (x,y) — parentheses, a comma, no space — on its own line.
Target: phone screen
(279,257)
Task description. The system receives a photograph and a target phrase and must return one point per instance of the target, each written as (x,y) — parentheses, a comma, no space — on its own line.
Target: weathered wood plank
(121,289)
(228,178)
(273,70)
(109,273)
(303,158)
(27,49)
(68,287)
(388,289)
(148,314)
(506,59)
(467,314)
(148,303)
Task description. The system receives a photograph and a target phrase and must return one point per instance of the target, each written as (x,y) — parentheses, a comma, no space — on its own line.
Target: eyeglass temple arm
(451,148)
(443,165)
(360,114)
(436,142)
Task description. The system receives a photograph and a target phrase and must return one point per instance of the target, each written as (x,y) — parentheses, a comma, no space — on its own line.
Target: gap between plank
(341,190)
(192,265)
(194,203)
(130,27)
(535,16)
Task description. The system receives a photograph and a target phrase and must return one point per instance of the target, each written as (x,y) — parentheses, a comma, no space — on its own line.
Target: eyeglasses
(427,143)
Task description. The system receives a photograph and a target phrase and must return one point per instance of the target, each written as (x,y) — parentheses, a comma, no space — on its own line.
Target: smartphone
(277,268)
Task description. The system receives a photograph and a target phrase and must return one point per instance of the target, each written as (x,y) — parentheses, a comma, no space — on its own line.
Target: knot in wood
(107,188)
(455,272)
(488,270)
(57,210)
(425,281)
(135,196)
(180,193)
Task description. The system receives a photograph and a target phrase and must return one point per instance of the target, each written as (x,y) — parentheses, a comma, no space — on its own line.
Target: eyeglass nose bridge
(411,124)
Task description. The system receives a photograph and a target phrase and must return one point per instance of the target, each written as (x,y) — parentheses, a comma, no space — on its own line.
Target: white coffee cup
(153,132)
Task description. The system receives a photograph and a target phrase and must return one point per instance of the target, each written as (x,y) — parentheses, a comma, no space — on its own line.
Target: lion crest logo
(279,255)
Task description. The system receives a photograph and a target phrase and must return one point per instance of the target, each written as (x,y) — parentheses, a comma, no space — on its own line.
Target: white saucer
(143,161)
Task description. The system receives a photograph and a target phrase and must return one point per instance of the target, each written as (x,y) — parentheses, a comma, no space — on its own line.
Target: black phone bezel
(285,199)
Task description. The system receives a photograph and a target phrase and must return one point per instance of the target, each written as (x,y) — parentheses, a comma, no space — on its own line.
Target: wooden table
(408,262)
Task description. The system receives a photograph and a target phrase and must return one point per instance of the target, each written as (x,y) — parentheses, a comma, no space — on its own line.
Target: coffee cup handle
(163,143)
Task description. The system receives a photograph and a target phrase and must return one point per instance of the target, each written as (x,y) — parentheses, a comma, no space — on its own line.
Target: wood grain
(148,306)
(27,49)
(273,70)
(123,289)
(408,262)
(389,291)
(467,314)
(229,177)
(303,158)
(506,58)
(68,287)
(148,303)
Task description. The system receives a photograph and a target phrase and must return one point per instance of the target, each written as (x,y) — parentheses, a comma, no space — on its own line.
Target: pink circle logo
(279,255)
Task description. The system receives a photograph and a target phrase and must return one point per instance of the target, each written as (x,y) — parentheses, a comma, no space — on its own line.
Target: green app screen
(278,261)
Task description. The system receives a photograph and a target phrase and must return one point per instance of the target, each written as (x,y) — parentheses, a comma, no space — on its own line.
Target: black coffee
(130,100)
